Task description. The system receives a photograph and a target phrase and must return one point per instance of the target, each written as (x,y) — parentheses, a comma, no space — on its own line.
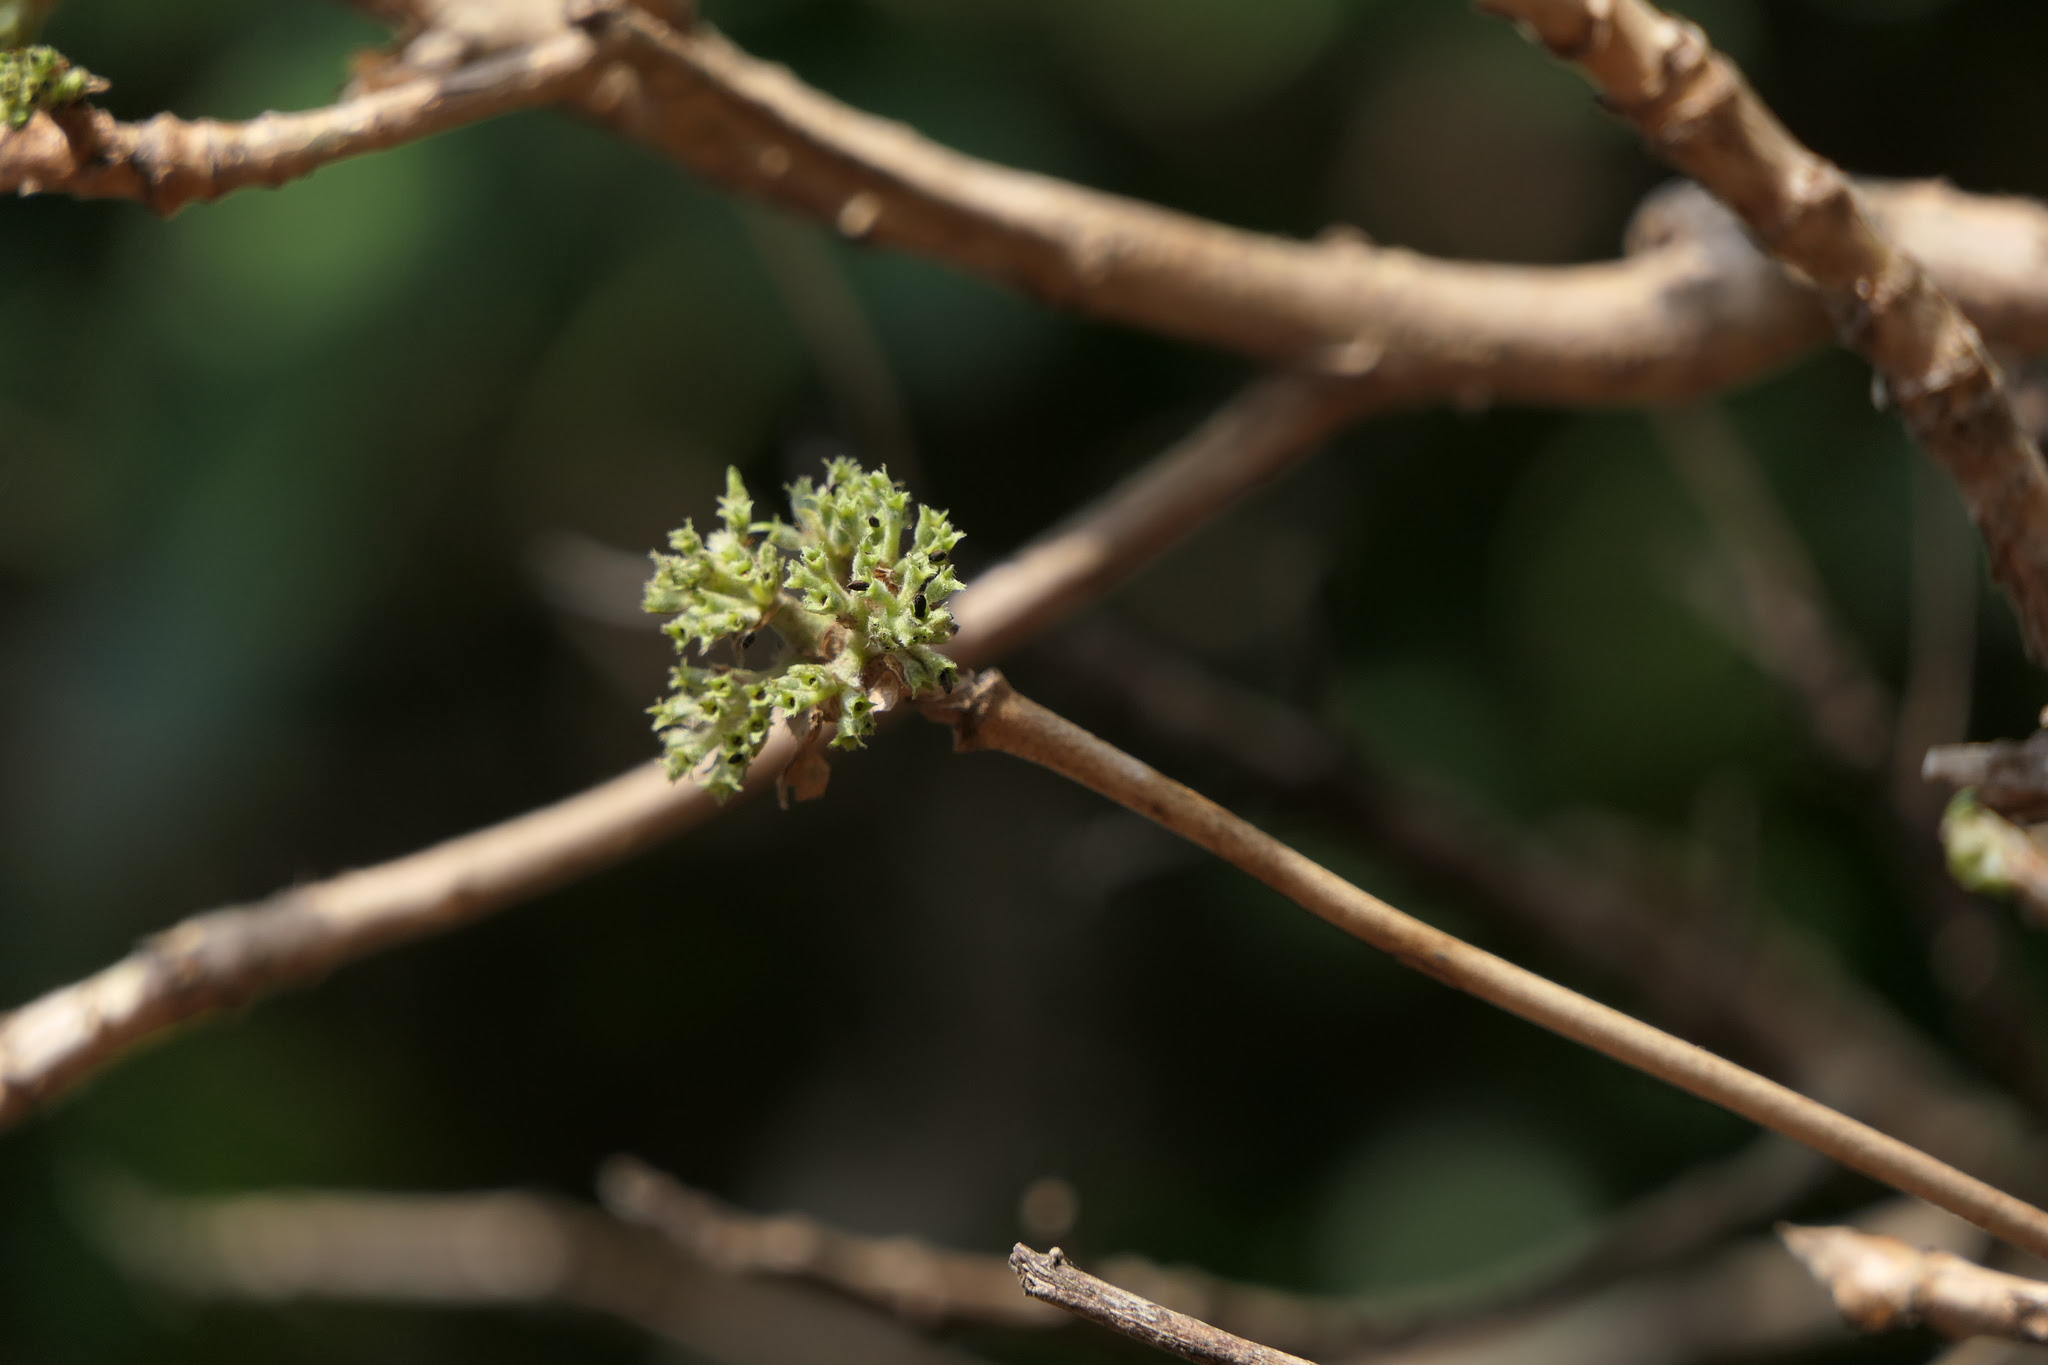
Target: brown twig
(1054,1279)
(1693,107)
(989,714)
(1771,995)
(1747,1300)
(224,959)
(912,1279)
(488,1250)
(1881,1284)
(1681,321)
(930,1285)
(169,162)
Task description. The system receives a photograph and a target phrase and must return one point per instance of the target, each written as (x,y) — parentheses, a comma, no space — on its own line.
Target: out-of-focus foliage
(308,505)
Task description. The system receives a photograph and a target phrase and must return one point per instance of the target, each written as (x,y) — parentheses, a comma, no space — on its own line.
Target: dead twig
(1693,107)
(1773,997)
(912,1279)
(226,958)
(1881,1284)
(1054,1279)
(989,715)
(1744,1301)
(496,1249)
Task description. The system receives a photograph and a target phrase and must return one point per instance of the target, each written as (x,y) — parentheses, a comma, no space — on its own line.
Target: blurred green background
(300,494)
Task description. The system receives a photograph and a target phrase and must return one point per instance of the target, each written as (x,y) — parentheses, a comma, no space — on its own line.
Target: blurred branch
(912,1279)
(2010,776)
(1781,617)
(989,715)
(1692,106)
(929,1285)
(1054,1279)
(227,958)
(488,1250)
(169,162)
(1748,1300)
(1881,1284)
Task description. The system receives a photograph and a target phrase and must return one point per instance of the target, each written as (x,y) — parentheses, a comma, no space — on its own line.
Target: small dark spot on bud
(937,556)
(919,606)
(946,678)
(874,521)
(856,585)
(737,757)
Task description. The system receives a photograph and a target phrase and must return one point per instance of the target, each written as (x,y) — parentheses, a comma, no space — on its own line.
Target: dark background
(294,491)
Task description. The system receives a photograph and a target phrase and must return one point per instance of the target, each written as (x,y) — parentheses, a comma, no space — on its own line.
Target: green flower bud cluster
(859,616)
(33,78)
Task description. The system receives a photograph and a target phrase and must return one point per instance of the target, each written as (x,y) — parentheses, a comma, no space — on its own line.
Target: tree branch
(1881,1284)
(1694,313)
(224,959)
(989,714)
(1693,107)
(1774,997)
(1054,1279)
(488,1250)
(169,162)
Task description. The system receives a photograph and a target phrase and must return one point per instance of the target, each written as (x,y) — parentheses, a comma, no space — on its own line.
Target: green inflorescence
(859,617)
(33,78)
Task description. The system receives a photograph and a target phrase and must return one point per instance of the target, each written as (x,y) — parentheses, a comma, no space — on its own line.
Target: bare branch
(169,162)
(989,714)
(1772,996)
(2010,776)
(488,1250)
(226,958)
(912,1279)
(1881,1284)
(1693,107)
(1745,1301)
(1694,313)
(1057,1280)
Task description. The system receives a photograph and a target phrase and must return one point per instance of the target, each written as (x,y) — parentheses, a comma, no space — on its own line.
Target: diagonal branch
(224,959)
(1693,106)
(989,714)
(1057,1280)
(1880,1284)
(169,162)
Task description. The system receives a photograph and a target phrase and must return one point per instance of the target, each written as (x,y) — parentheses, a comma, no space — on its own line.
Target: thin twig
(226,958)
(1678,322)
(1749,1300)
(912,1279)
(499,1249)
(169,162)
(1771,995)
(1054,1279)
(989,714)
(1692,106)
(1881,1284)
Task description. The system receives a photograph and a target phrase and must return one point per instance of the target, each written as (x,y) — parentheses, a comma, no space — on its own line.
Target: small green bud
(858,617)
(33,78)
